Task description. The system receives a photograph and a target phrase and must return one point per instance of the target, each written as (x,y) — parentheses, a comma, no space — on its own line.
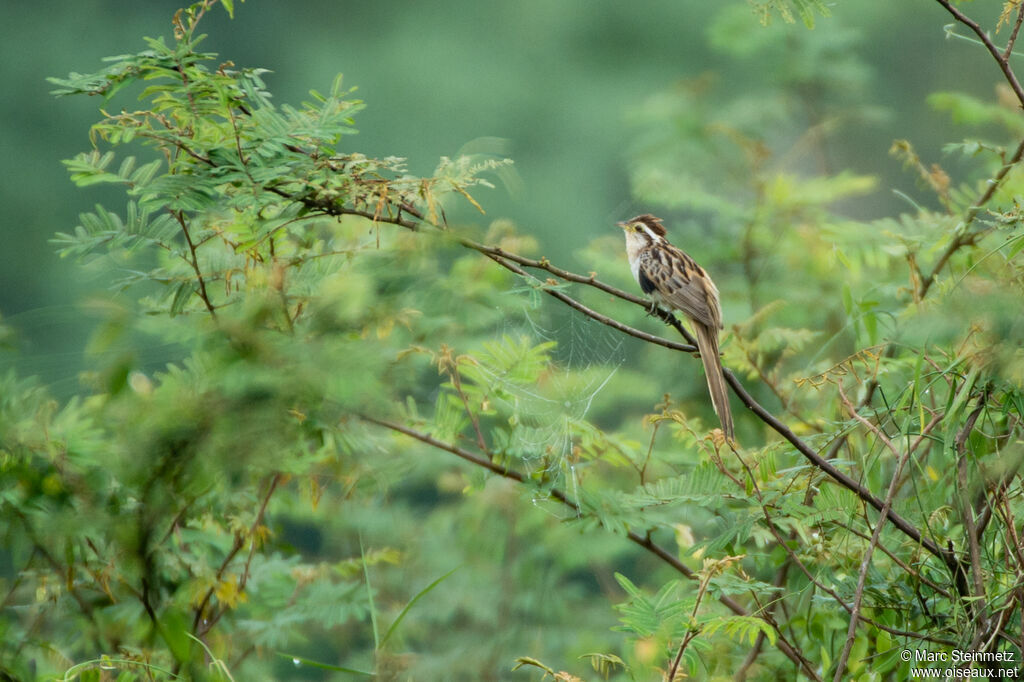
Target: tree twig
(1003,62)
(201,626)
(194,262)
(1008,50)
(967,508)
(858,595)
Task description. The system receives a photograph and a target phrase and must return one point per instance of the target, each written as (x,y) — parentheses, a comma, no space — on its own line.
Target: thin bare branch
(203,622)
(194,262)
(967,508)
(858,595)
(593,314)
(1008,50)
(453,373)
(1003,62)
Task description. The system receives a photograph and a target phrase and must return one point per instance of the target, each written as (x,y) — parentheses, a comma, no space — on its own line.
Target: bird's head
(644,228)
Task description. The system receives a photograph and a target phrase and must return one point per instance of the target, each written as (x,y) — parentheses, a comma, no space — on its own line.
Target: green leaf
(302,660)
(969,110)
(744,628)
(805,9)
(419,595)
(369,595)
(175,633)
(182,293)
(1017,243)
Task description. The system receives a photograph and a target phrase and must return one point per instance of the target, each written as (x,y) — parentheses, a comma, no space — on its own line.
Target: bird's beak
(623,224)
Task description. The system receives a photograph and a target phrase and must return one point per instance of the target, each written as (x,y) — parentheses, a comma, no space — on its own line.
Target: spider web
(587,356)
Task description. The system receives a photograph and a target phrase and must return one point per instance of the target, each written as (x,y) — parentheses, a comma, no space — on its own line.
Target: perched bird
(674,280)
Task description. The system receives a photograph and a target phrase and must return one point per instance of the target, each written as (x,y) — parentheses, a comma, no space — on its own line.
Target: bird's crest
(653,223)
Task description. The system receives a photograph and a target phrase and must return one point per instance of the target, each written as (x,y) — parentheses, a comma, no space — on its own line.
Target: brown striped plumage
(673,279)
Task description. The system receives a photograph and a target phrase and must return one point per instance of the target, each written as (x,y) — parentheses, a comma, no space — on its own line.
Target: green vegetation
(388,437)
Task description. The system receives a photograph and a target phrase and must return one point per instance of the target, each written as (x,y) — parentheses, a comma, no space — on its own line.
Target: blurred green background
(575,93)
(556,80)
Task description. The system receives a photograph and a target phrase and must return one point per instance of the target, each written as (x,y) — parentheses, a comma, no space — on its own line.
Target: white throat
(635,243)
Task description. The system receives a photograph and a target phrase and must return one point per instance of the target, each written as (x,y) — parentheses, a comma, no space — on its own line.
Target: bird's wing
(682,284)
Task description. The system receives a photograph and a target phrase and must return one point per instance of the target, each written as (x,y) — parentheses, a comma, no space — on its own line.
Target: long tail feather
(707,343)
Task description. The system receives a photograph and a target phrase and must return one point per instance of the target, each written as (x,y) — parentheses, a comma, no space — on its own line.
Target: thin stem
(194,262)
(858,595)
(1013,34)
(694,629)
(967,508)
(200,626)
(674,669)
(453,372)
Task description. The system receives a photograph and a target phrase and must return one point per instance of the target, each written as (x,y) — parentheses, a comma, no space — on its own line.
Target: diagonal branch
(193,261)
(967,511)
(1008,50)
(560,496)
(907,528)
(1003,62)
(204,621)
